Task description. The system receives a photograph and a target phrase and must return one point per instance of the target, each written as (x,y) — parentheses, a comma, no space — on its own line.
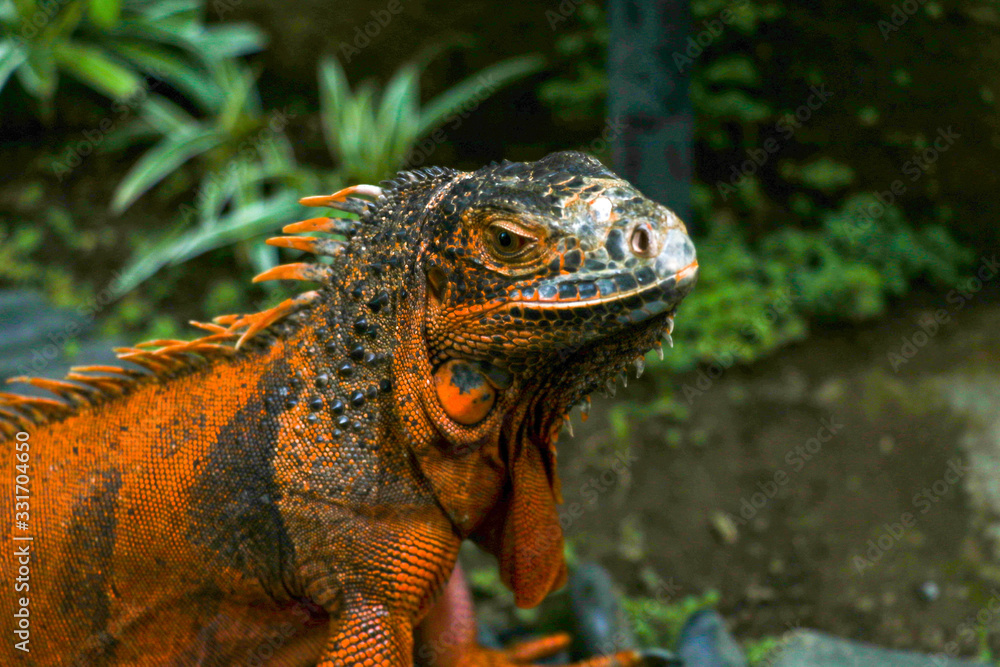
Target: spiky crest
(228,335)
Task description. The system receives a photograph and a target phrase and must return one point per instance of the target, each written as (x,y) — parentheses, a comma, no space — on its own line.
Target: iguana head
(555,274)
(518,289)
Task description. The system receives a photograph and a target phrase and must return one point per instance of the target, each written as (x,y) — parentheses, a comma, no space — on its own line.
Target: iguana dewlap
(292,488)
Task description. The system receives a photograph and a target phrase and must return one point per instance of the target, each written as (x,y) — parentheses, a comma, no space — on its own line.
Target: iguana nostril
(641,241)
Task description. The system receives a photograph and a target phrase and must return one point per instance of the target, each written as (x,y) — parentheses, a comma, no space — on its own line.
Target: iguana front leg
(447,638)
(377,579)
(369,634)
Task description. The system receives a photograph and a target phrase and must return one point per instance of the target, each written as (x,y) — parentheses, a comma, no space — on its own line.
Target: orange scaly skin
(293,488)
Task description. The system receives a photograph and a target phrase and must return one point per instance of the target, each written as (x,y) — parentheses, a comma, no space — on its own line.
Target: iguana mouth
(631,297)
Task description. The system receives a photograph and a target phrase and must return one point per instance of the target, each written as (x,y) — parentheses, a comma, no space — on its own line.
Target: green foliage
(110,45)
(823,174)
(659,623)
(622,416)
(753,298)
(214,155)
(578,93)
(370,135)
(747,14)
(245,176)
(758,650)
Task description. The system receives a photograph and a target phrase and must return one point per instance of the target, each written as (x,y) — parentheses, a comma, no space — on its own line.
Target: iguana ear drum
(464,393)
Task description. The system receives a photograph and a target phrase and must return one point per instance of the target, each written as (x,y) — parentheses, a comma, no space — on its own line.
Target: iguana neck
(463,465)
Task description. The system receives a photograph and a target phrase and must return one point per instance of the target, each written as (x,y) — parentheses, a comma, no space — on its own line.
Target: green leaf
(398,120)
(232,40)
(12,55)
(247,222)
(164,116)
(172,33)
(10,14)
(333,94)
(132,131)
(179,72)
(38,75)
(239,95)
(162,160)
(370,135)
(94,68)
(62,25)
(736,70)
(104,13)
(162,10)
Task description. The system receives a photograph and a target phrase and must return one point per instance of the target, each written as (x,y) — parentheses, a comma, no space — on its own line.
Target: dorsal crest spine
(86,386)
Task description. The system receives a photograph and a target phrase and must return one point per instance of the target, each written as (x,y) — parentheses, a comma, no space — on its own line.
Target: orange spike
(311,244)
(360,190)
(174,350)
(260,321)
(224,334)
(173,354)
(57,387)
(283,272)
(162,342)
(318,200)
(206,349)
(227,320)
(103,383)
(299,271)
(208,326)
(145,359)
(30,413)
(304,243)
(99,369)
(50,406)
(14,416)
(311,225)
(24,379)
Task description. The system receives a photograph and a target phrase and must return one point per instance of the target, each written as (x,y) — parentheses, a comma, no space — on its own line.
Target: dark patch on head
(571,163)
(86,579)
(233,504)
(616,245)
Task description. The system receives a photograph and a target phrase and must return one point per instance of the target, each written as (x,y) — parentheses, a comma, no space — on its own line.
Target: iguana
(292,488)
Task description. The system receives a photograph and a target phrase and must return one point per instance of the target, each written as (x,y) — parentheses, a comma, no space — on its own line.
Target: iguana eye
(506,242)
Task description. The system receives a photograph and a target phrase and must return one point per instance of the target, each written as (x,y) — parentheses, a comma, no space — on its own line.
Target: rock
(598,621)
(724,528)
(808,648)
(33,336)
(929,591)
(705,642)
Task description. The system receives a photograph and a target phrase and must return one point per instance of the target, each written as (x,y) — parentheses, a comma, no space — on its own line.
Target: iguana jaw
(606,297)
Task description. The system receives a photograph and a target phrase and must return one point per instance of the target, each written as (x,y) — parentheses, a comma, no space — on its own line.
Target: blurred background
(820,449)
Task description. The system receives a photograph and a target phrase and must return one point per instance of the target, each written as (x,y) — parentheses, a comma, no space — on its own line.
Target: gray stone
(808,648)
(33,335)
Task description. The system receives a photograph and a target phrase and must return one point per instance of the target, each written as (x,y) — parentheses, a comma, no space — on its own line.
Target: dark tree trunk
(649,108)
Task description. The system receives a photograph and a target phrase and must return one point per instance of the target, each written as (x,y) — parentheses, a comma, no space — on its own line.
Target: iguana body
(293,488)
